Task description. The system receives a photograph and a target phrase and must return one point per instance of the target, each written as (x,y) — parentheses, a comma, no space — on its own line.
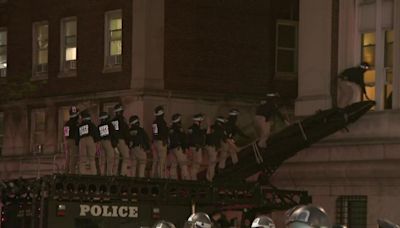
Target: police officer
(263,221)
(231,130)
(198,220)
(88,137)
(177,147)
(122,136)
(71,135)
(163,224)
(216,135)
(108,142)
(139,146)
(351,85)
(308,216)
(196,143)
(266,111)
(160,140)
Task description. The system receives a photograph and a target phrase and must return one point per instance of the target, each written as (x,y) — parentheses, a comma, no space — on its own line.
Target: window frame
(35,51)
(108,16)
(34,146)
(295,24)
(343,211)
(64,70)
(3,71)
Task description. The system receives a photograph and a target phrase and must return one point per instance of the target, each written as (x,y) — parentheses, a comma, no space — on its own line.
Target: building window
(389,38)
(38,130)
(113,39)
(368,55)
(68,44)
(3,52)
(1,132)
(286,47)
(40,48)
(351,211)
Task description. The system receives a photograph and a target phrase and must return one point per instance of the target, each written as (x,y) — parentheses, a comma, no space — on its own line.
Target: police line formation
(302,216)
(125,146)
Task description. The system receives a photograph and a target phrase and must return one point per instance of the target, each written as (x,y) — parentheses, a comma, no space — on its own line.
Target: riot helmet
(365,66)
(220,120)
(263,221)
(103,116)
(85,115)
(272,96)
(134,120)
(73,112)
(198,117)
(176,118)
(198,220)
(163,224)
(234,112)
(159,111)
(308,216)
(118,109)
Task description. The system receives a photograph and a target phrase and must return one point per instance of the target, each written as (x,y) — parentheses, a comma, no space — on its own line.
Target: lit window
(351,211)
(389,38)
(68,44)
(368,55)
(40,48)
(113,38)
(38,130)
(286,47)
(3,52)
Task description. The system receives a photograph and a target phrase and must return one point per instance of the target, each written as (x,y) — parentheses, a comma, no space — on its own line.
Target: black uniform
(269,109)
(107,132)
(87,128)
(216,136)
(232,130)
(196,136)
(356,75)
(160,130)
(177,137)
(71,133)
(139,137)
(88,136)
(108,142)
(121,128)
(71,130)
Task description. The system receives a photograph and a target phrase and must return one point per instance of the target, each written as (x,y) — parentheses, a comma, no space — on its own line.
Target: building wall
(20,14)
(363,161)
(226,46)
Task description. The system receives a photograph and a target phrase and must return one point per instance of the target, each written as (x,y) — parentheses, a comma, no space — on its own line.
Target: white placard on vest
(116,125)
(84,130)
(66,131)
(155,129)
(104,130)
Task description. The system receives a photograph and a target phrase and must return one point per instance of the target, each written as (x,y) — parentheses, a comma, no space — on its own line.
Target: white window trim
(3,72)
(38,75)
(63,71)
(289,75)
(380,71)
(107,16)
